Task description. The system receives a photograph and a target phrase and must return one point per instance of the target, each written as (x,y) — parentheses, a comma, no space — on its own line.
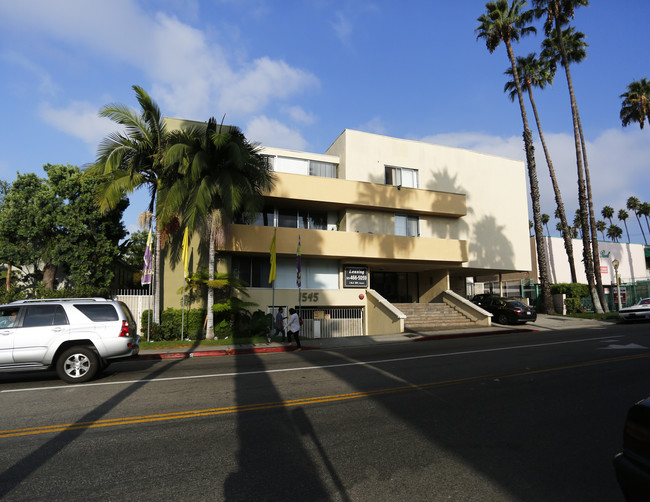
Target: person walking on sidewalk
(293,327)
(279,326)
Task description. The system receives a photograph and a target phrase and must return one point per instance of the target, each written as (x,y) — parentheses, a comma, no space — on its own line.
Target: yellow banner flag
(272,273)
(186,253)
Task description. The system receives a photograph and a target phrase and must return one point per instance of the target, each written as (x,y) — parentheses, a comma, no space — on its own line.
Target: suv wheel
(77,364)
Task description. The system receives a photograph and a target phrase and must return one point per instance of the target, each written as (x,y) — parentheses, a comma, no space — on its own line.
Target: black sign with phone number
(356,277)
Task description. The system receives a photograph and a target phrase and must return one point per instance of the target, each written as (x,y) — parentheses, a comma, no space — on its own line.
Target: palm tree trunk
(582,191)
(8,279)
(209,326)
(592,222)
(568,244)
(546,305)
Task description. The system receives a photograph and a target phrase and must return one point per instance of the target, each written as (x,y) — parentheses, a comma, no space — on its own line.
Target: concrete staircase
(431,316)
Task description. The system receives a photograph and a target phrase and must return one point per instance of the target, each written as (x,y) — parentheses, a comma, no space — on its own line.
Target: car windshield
(645,301)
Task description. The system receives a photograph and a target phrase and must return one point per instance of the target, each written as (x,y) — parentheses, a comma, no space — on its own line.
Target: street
(531,416)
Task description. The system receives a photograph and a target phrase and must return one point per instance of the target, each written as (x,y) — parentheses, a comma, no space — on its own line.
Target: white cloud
(44,82)
(79,120)
(297,114)
(375,125)
(269,132)
(263,80)
(191,75)
(342,27)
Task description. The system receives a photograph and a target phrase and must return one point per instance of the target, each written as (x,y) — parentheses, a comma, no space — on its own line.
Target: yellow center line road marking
(298,402)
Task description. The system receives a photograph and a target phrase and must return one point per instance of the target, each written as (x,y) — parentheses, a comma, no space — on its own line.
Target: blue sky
(295,74)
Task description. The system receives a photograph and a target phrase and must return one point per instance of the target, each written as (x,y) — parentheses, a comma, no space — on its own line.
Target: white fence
(324,322)
(136,301)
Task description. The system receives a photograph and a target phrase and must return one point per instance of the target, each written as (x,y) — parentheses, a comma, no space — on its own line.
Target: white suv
(76,336)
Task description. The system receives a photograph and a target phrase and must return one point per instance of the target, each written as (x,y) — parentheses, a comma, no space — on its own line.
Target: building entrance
(396,287)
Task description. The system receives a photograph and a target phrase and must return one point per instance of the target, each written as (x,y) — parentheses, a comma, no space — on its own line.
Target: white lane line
(308,368)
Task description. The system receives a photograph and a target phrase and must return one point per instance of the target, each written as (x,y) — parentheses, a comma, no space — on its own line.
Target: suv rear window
(97,312)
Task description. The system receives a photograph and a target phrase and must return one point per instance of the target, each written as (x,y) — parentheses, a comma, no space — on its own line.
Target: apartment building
(380,221)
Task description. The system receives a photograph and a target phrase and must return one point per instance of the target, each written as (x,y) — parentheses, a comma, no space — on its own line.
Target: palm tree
(220,174)
(644,209)
(537,73)
(601,226)
(614,232)
(557,14)
(505,21)
(545,219)
(633,205)
(133,159)
(622,215)
(636,103)
(608,212)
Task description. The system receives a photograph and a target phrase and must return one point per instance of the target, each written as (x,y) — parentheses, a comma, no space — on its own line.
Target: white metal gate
(324,322)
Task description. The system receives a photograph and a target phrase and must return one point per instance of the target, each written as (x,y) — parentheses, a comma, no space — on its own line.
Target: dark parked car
(506,310)
(633,463)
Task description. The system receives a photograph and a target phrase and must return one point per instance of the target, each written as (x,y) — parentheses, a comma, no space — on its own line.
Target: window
(316,274)
(324,169)
(407,225)
(315,220)
(44,315)
(400,176)
(98,313)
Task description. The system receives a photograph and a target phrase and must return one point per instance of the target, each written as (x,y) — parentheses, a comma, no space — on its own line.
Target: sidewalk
(543,323)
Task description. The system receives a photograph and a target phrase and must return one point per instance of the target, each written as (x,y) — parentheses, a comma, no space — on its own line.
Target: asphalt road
(520,417)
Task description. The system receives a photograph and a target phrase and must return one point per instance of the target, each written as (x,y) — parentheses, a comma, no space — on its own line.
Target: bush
(573,305)
(170,325)
(571,290)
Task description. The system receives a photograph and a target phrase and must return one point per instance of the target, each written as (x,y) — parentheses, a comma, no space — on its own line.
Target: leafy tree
(608,212)
(218,173)
(557,14)
(633,205)
(132,250)
(133,159)
(636,103)
(622,215)
(53,223)
(506,22)
(537,73)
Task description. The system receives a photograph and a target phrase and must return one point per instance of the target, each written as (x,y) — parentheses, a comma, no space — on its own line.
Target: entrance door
(394,286)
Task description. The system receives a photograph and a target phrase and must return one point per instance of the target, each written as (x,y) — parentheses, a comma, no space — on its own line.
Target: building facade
(379,220)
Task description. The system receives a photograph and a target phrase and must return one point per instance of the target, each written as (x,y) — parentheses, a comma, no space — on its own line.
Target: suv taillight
(125,329)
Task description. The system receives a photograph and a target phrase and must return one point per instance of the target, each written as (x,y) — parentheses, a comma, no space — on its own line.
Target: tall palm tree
(601,226)
(633,205)
(131,159)
(614,232)
(545,219)
(636,103)
(220,174)
(537,73)
(644,209)
(506,21)
(623,216)
(557,13)
(608,212)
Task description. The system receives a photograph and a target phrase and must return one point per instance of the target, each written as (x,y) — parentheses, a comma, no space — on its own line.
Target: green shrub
(571,290)
(170,325)
(573,305)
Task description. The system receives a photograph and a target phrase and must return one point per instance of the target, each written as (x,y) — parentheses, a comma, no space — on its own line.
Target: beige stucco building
(381,221)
